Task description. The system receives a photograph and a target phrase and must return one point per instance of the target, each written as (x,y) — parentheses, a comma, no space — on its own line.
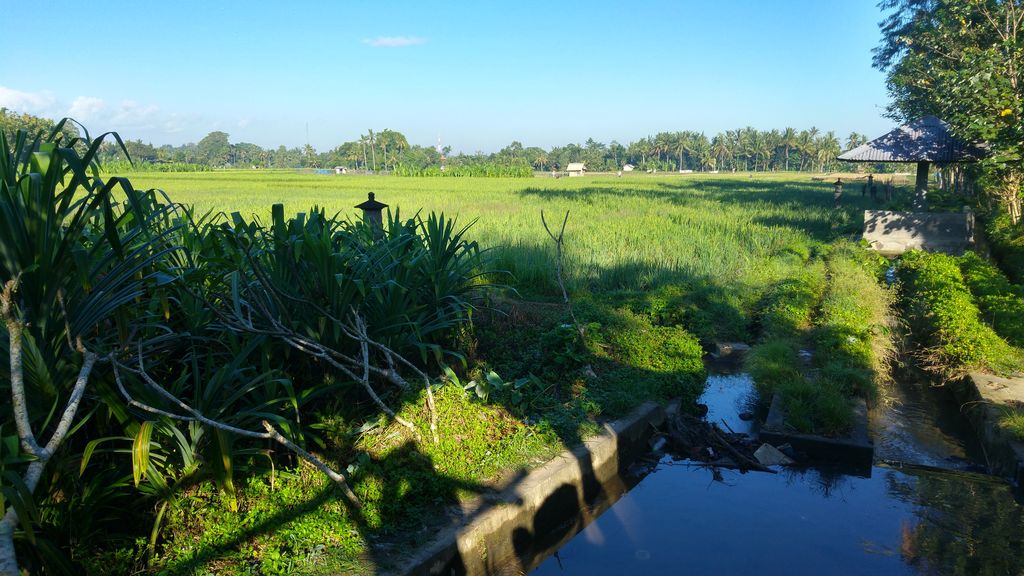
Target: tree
(961,61)
(214,149)
(11,122)
(372,142)
(788,141)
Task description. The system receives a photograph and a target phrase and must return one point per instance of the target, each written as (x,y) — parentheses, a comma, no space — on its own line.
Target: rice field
(634,233)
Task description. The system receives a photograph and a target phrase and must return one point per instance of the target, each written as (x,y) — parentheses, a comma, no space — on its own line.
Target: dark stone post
(372,215)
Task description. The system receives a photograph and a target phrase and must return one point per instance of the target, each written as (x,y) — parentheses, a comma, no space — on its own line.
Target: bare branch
(558,270)
(338,478)
(270,432)
(15,330)
(89,360)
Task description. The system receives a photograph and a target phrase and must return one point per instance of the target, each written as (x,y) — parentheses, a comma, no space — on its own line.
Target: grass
(658,267)
(1001,303)
(1013,422)
(825,339)
(943,310)
(635,232)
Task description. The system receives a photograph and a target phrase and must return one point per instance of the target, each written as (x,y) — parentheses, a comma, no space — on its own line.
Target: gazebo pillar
(921,189)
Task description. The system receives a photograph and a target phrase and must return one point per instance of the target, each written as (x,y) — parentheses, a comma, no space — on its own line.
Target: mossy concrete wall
(985,400)
(527,521)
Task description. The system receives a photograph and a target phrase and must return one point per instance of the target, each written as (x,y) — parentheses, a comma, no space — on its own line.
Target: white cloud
(86,108)
(131,119)
(38,103)
(131,114)
(394,41)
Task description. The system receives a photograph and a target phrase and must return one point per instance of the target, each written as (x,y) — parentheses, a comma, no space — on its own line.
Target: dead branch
(357,369)
(269,433)
(558,240)
(34,471)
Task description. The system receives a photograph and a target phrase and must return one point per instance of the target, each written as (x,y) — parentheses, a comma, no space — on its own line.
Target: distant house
(340,170)
(576,169)
(627,168)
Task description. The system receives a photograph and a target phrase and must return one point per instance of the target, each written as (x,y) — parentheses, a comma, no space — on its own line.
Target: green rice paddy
(636,232)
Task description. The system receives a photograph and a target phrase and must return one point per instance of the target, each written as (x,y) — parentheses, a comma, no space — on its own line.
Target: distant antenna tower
(440,151)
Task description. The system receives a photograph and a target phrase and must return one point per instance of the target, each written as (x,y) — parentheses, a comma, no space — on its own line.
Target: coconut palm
(788,140)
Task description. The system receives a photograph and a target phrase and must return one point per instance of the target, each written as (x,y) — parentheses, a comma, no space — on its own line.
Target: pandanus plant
(73,261)
(84,267)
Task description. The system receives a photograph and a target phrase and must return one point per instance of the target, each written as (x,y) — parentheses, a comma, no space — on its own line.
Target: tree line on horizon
(743,149)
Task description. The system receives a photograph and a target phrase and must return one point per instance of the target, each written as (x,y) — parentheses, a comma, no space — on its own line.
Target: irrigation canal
(920,509)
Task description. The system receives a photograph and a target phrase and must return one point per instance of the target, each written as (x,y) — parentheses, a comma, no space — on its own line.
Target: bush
(1001,302)
(1007,243)
(788,306)
(941,308)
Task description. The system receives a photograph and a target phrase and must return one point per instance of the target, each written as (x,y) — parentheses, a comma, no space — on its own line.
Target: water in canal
(919,510)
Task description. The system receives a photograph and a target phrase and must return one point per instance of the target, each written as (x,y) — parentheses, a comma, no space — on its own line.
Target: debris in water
(657,443)
(769,455)
(703,441)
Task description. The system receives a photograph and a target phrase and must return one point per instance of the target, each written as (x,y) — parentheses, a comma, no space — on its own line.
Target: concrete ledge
(893,233)
(855,448)
(984,400)
(536,515)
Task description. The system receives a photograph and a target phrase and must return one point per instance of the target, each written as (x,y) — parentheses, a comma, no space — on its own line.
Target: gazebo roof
(927,139)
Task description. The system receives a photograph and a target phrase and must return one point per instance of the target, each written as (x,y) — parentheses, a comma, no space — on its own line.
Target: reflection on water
(727,396)
(922,424)
(907,521)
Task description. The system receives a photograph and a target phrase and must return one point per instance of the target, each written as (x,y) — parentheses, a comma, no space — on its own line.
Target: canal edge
(983,400)
(571,489)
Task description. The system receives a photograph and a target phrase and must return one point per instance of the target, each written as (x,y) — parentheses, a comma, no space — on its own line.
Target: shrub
(1007,243)
(940,306)
(1001,302)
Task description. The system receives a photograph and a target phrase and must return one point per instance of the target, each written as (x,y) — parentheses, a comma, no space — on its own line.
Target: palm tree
(363,141)
(701,148)
(827,148)
(805,145)
(720,149)
(854,140)
(373,153)
(682,143)
(788,141)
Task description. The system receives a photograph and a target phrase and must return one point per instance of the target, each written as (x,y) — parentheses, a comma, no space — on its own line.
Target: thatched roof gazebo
(924,141)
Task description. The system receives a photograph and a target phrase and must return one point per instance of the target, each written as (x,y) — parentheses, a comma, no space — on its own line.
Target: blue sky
(477,74)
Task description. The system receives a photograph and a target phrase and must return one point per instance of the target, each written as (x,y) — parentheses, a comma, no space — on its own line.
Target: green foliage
(1001,303)
(715,234)
(124,166)
(940,306)
(1007,242)
(1013,422)
(463,168)
(710,246)
(853,338)
(773,365)
(835,307)
(11,122)
(961,60)
(789,304)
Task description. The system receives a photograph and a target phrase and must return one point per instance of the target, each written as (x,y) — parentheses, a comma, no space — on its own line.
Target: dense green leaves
(961,60)
(149,285)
